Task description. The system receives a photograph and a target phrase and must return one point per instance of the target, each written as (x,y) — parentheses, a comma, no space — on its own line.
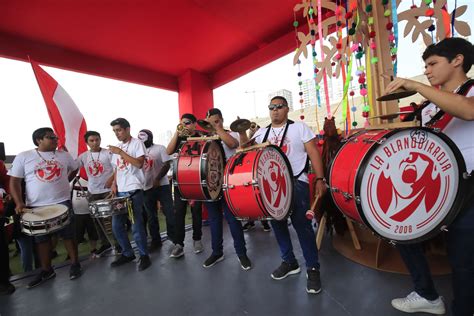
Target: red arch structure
(187,46)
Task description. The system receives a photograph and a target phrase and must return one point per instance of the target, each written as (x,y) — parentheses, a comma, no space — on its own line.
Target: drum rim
(457,203)
(203,168)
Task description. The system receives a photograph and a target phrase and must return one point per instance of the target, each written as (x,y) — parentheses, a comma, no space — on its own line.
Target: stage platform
(184,287)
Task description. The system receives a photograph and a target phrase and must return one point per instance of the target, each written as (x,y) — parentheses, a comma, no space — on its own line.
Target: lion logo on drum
(403,188)
(274,184)
(48,171)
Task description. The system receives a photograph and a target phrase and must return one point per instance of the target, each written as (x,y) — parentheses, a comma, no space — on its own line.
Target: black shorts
(82,223)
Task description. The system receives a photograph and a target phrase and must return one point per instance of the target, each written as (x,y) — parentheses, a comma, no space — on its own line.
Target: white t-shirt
(229,152)
(155,159)
(460,131)
(45,175)
(293,146)
(129,177)
(98,169)
(80,205)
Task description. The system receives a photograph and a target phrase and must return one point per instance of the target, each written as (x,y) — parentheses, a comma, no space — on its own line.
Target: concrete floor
(184,287)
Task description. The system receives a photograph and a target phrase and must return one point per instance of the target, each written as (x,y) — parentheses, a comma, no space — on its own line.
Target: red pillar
(195,94)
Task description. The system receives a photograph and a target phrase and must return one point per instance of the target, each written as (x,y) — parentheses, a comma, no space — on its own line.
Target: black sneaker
(313,284)
(155,245)
(102,250)
(75,271)
(248,226)
(266,226)
(6,288)
(212,260)
(122,260)
(41,277)
(144,263)
(285,269)
(245,262)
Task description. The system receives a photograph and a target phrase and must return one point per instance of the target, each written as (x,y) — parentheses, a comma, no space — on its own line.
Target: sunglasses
(278,106)
(187,122)
(52,137)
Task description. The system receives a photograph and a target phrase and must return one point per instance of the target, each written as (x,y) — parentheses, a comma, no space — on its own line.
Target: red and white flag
(68,122)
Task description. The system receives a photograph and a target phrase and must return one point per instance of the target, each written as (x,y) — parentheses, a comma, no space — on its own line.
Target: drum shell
(344,168)
(46,226)
(191,170)
(242,189)
(109,207)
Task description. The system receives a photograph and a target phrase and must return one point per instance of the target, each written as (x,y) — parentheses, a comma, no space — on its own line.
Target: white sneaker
(415,303)
(198,246)
(177,251)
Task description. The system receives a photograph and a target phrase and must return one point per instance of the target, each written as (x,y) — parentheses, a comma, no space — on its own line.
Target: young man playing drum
(297,141)
(100,175)
(157,188)
(229,142)
(446,64)
(47,173)
(127,159)
(186,128)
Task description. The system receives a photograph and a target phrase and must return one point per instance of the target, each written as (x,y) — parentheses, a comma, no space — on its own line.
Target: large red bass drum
(405,184)
(258,184)
(198,170)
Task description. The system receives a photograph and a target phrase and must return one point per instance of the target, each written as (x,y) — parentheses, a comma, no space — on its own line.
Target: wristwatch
(320,179)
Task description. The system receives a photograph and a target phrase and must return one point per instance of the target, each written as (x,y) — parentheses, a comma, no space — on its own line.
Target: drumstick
(310,213)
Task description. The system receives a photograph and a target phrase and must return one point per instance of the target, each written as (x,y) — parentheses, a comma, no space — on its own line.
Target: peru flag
(68,122)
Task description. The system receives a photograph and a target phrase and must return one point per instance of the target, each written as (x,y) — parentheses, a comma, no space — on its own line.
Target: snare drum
(45,220)
(110,207)
(404,184)
(198,170)
(258,184)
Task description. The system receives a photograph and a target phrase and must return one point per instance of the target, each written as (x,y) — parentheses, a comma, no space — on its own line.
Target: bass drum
(258,184)
(405,184)
(198,170)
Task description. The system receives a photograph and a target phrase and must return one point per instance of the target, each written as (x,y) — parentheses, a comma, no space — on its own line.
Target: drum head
(409,185)
(213,169)
(275,181)
(45,212)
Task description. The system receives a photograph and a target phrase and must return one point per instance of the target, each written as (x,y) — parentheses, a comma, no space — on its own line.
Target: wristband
(320,179)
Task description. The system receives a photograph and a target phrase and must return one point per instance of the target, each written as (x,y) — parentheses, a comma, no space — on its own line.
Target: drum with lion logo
(258,184)
(405,184)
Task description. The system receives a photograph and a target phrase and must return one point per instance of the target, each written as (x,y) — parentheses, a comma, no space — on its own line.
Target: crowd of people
(137,168)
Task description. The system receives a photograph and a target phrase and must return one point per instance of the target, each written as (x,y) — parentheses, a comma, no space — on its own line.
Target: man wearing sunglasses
(188,121)
(297,141)
(230,141)
(47,173)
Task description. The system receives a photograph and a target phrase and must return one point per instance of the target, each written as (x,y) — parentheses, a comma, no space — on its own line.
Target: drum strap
(442,118)
(237,161)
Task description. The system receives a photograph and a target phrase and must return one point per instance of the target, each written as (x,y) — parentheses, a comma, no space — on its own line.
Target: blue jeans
(460,244)
(303,228)
(138,229)
(216,211)
(162,194)
(27,251)
(180,207)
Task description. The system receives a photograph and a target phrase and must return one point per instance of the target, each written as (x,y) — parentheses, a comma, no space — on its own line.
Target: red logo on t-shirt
(148,163)
(121,164)
(48,171)
(95,168)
